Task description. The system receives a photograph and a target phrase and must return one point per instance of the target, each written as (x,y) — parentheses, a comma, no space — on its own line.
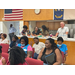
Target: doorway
(16,24)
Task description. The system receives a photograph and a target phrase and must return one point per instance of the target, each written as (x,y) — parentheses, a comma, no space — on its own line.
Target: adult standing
(62,30)
(12,30)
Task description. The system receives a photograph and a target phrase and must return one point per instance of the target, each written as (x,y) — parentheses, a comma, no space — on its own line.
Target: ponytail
(54,46)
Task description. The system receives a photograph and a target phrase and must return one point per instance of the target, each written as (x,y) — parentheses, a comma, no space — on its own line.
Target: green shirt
(45,33)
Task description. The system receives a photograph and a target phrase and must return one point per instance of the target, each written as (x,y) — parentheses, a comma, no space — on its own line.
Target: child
(62,47)
(17,56)
(15,41)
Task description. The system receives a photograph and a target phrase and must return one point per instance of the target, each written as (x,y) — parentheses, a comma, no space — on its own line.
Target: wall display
(58,14)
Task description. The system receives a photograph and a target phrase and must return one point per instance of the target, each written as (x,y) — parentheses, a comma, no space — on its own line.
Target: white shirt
(38,47)
(4,41)
(62,31)
(12,29)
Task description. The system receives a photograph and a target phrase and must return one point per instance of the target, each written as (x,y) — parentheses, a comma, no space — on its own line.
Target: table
(70,42)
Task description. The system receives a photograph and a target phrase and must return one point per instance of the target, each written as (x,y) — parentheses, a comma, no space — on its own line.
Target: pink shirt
(29,48)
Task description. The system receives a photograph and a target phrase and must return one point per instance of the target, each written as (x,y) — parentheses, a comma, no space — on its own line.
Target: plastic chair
(5,55)
(5,47)
(32,61)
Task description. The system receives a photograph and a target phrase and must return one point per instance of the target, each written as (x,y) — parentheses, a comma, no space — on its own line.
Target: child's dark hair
(0,49)
(17,55)
(60,39)
(15,37)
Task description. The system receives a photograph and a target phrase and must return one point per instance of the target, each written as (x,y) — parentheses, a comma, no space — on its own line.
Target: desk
(70,42)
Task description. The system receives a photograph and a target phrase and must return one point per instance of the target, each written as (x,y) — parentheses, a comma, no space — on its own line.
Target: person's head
(50,44)
(25,28)
(62,24)
(36,28)
(3,36)
(11,25)
(15,38)
(0,50)
(36,40)
(44,28)
(16,55)
(24,40)
(60,40)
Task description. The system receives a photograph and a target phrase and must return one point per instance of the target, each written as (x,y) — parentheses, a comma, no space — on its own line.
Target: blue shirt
(14,43)
(12,29)
(24,48)
(63,48)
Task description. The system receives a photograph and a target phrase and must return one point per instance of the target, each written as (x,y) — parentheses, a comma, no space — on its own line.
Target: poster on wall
(58,14)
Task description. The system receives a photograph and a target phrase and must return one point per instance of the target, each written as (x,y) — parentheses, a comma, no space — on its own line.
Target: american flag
(13,14)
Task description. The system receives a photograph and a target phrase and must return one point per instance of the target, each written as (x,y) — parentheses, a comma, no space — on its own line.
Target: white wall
(21,26)
(16,25)
(1,27)
(32,24)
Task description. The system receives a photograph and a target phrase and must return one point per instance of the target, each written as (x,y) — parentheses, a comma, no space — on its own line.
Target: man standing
(12,30)
(62,30)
